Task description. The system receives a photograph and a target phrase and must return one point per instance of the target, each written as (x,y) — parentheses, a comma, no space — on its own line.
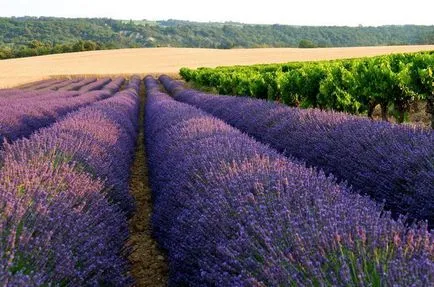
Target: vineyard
(111,182)
(394,82)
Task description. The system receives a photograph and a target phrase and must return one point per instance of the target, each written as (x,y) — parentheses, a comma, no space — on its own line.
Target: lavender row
(97,85)
(24,97)
(63,84)
(391,163)
(22,118)
(49,84)
(75,85)
(60,85)
(134,83)
(115,85)
(64,199)
(233,212)
(36,83)
(41,84)
(8,95)
(25,93)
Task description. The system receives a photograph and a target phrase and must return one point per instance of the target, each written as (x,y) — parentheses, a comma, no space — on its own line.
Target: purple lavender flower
(58,225)
(97,85)
(233,212)
(42,84)
(21,117)
(391,163)
(115,85)
(64,198)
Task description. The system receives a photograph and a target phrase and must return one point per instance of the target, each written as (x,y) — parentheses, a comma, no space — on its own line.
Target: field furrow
(148,265)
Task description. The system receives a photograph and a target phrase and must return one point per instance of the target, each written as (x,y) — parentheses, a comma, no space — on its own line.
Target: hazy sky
(301,12)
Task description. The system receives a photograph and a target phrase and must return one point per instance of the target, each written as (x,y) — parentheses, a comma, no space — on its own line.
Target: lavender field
(145,182)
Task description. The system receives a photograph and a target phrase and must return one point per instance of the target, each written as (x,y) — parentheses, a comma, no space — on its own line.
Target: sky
(301,12)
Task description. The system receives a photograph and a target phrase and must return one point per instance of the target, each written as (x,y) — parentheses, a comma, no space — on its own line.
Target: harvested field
(168,60)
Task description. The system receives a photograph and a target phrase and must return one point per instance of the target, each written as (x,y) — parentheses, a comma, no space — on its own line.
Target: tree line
(30,36)
(38,48)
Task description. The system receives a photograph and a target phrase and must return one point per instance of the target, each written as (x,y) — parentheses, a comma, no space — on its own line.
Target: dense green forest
(30,36)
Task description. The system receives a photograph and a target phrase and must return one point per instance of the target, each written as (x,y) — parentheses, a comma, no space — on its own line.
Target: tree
(6,53)
(306,44)
(78,46)
(90,46)
(35,44)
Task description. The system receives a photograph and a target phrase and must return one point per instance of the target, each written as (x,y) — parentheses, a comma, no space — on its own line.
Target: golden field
(169,60)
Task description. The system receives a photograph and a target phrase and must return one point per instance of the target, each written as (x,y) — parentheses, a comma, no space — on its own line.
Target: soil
(149,266)
(416,116)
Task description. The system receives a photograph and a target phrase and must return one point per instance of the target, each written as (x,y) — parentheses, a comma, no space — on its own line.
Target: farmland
(231,210)
(64,189)
(395,82)
(169,61)
(114,179)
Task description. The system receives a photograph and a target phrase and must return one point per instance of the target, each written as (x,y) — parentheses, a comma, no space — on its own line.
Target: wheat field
(169,60)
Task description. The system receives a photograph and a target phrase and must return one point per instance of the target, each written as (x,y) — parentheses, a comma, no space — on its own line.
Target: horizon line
(227,22)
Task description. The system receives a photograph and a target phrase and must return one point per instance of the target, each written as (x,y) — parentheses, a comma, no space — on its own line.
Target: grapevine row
(356,86)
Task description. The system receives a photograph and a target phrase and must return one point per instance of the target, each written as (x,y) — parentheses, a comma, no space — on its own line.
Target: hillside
(30,36)
(170,60)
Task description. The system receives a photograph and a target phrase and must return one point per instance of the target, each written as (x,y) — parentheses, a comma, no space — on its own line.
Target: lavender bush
(391,163)
(49,84)
(8,95)
(45,88)
(97,85)
(57,227)
(21,118)
(42,84)
(74,84)
(115,85)
(57,224)
(134,83)
(24,97)
(102,136)
(64,84)
(233,212)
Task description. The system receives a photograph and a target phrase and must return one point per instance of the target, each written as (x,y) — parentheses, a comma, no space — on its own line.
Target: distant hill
(29,36)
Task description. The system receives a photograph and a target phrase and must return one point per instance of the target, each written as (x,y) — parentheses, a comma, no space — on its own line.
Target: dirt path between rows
(149,267)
